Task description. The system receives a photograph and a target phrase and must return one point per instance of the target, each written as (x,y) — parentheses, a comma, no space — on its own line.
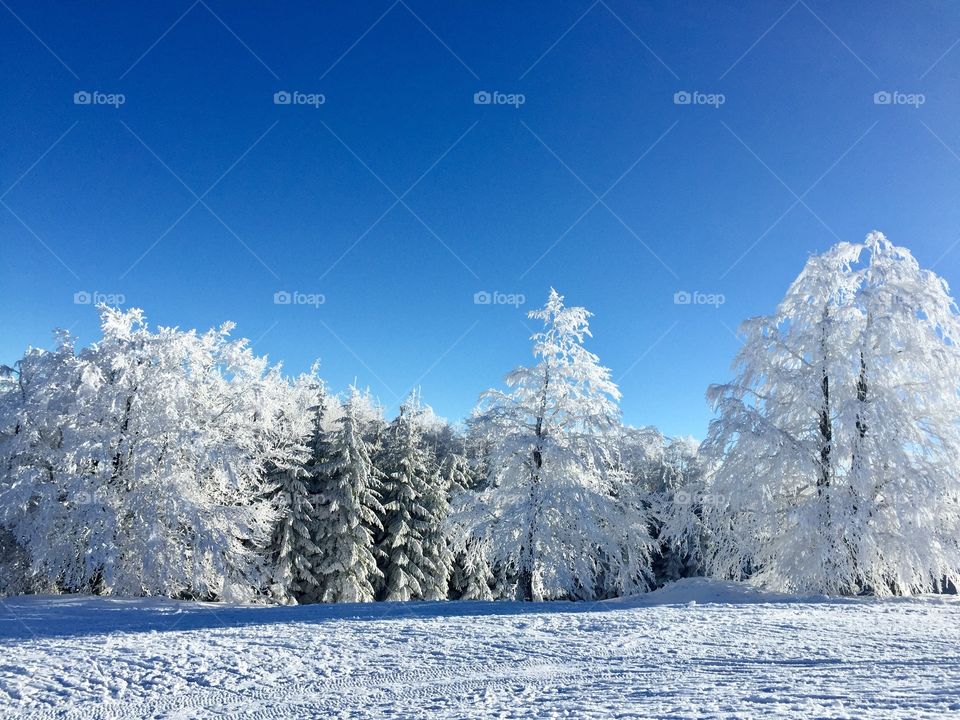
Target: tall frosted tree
(348,512)
(294,551)
(436,548)
(414,566)
(143,466)
(36,399)
(902,414)
(831,465)
(554,512)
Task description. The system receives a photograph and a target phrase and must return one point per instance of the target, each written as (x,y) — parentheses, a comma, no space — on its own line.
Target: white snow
(697,648)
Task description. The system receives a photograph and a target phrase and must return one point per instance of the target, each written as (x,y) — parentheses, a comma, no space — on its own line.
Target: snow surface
(697,648)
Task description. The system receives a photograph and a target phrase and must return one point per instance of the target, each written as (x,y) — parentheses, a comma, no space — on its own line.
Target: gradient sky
(399,198)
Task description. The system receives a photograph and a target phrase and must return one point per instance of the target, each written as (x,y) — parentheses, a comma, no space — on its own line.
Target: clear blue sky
(726,199)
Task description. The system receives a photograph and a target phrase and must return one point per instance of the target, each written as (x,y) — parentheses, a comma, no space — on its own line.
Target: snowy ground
(696,649)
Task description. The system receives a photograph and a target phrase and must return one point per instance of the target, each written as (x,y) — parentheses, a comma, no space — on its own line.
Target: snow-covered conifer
(348,512)
(409,552)
(436,548)
(293,550)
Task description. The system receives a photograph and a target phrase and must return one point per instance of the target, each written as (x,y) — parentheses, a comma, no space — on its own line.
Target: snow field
(674,653)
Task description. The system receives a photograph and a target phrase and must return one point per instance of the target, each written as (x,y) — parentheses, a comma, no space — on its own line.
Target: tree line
(174,463)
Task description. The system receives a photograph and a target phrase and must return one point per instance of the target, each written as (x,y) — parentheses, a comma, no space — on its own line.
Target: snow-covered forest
(159,461)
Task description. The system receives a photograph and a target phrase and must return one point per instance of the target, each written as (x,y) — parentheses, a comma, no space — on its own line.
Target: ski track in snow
(698,649)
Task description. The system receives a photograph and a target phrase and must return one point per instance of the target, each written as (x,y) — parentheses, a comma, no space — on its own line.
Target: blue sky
(398,198)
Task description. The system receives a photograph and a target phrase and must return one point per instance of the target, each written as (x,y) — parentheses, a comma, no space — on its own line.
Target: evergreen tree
(409,553)
(457,474)
(292,548)
(348,513)
(471,575)
(294,551)
(435,547)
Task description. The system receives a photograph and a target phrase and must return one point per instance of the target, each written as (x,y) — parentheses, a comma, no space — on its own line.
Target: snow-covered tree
(415,565)
(470,574)
(457,474)
(556,514)
(373,426)
(436,548)
(903,418)
(677,501)
(472,577)
(35,403)
(832,464)
(294,551)
(15,576)
(138,465)
(348,512)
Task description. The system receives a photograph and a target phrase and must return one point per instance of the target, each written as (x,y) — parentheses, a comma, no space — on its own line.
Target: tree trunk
(824,477)
(825,425)
(528,556)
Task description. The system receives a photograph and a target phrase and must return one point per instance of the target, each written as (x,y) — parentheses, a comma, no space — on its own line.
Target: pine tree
(294,551)
(435,547)
(348,513)
(407,545)
(457,474)
(471,575)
